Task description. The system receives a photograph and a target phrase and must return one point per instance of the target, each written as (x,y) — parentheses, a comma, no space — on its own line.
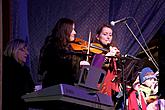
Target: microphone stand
(123,60)
(150,58)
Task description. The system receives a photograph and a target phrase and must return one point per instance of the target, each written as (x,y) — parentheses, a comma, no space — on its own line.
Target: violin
(82,45)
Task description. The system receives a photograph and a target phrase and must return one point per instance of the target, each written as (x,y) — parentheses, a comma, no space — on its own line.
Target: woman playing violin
(57,63)
(107,60)
(104,37)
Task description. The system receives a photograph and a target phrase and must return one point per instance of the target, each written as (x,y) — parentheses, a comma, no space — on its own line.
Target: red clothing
(108,85)
(133,103)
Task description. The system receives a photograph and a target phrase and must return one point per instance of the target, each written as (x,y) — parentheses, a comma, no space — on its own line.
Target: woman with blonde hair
(16,78)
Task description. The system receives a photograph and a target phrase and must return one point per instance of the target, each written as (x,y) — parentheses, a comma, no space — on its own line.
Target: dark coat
(16,81)
(59,66)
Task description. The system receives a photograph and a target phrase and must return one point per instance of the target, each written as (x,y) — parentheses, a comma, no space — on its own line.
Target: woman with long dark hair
(57,63)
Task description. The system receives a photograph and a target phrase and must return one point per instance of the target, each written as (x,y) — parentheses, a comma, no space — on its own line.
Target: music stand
(90,77)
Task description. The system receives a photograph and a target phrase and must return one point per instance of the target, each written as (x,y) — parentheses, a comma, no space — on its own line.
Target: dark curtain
(162,62)
(33,20)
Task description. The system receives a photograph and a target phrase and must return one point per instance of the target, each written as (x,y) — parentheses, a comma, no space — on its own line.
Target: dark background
(32,20)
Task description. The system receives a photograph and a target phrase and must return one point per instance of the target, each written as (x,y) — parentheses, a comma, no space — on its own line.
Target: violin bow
(89,41)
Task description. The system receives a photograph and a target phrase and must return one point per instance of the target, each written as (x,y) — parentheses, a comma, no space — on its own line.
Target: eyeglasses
(23,49)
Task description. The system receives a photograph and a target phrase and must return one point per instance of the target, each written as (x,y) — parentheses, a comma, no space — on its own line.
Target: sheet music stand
(90,77)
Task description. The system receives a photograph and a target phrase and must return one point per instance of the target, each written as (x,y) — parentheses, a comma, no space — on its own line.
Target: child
(139,95)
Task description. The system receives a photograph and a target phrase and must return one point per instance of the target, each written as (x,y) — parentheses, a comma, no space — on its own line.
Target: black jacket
(16,81)
(59,66)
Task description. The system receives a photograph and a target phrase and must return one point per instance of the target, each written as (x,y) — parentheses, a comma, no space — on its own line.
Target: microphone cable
(152,58)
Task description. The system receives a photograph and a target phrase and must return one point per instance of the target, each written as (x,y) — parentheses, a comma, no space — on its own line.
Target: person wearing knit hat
(140,94)
(147,80)
(149,86)
(146,73)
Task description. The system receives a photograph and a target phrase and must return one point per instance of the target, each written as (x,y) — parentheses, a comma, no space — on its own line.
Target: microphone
(113,23)
(131,57)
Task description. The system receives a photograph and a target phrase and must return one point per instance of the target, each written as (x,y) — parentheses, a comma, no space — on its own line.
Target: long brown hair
(61,32)
(58,41)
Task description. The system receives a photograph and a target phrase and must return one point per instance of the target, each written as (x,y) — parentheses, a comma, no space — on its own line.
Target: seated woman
(16,78)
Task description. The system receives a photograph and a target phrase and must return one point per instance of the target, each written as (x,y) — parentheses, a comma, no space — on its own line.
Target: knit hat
(144,76)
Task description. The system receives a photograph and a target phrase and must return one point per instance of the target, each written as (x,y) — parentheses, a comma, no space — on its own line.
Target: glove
(82,63)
